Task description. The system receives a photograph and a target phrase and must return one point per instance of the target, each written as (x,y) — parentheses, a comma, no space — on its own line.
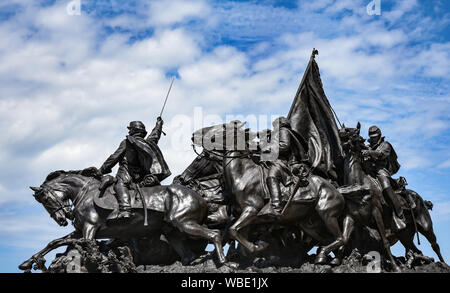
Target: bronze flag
(312,117)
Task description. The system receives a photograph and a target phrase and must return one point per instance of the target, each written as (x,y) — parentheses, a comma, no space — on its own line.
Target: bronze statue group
(326,188)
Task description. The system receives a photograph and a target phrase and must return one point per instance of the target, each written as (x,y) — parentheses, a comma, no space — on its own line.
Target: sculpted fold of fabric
(312,117)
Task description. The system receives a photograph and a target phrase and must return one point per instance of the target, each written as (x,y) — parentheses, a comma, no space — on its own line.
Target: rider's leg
(123,198)
(275,193)
(273,184)
(393,197)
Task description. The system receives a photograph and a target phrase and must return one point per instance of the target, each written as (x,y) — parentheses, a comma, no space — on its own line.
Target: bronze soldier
(291,153)
(384,159)
(140,162)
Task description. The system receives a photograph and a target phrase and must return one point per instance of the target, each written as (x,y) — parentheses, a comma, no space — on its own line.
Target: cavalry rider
(384,159)
(291,153)
(140,162)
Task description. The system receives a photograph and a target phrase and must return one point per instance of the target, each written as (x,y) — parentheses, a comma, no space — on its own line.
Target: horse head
(203,165)
(221,137)
(52,195)
(352,141)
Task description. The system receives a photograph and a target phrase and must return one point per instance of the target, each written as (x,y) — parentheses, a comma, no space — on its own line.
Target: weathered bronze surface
(325,188)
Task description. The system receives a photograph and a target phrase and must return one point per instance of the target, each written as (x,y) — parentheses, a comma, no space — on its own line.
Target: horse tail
(428,204)
(423,218)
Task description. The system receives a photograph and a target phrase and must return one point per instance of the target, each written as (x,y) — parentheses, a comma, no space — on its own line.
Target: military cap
(136,125)
(374,131)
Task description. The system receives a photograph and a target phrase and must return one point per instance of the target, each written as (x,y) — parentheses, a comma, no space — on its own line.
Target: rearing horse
(181,207)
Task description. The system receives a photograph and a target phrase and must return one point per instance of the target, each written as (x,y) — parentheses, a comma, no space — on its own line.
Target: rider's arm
(382,152)
(284,141)
(155,135)
(114,158)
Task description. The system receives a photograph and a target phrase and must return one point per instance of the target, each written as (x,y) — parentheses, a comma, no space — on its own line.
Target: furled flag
(312,117)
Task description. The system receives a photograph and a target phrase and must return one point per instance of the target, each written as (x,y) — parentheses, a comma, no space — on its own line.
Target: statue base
(104,257)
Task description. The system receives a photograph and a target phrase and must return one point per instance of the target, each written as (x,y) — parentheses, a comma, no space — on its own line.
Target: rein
(66,207)
(223,156)
(62,206)
(83,192)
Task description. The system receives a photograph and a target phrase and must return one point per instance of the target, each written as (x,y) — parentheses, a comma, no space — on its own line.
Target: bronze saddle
(302,195)
(106,200)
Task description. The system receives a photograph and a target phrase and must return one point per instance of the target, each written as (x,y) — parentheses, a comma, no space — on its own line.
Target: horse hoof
(232,265)
(185,261)
(396,269)
(26,265)
(320,260)
(336,261)
(222,260)
(261,246)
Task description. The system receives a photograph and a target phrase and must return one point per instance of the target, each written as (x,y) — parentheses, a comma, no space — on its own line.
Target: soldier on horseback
(140,162)
(384,162)
(291,153)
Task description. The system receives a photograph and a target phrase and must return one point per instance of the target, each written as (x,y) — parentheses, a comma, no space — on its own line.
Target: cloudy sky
(70,84)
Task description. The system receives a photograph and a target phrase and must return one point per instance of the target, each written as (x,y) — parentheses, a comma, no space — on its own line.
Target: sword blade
(167,96)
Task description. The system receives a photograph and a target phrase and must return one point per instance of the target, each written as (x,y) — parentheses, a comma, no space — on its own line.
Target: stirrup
(124,214)
(275,211)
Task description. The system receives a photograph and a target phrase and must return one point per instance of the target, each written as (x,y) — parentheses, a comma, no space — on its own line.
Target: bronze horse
(369,206)
(205,176)
(182,209)
(243,177)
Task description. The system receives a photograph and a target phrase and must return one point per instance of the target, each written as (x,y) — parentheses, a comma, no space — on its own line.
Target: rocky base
(354,263)
(101,257)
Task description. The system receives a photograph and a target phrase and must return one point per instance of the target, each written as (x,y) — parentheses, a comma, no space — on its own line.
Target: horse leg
(431,237)
(333,226)
(68,239)
(387,246)
(348,227)
(246,218)
(194,229)
(89,231)
(329,208)
(176,241)
(406,239)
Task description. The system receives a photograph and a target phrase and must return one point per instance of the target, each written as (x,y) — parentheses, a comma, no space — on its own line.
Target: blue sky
(70,85)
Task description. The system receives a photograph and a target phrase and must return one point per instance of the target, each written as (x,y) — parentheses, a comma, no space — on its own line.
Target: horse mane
(56,174)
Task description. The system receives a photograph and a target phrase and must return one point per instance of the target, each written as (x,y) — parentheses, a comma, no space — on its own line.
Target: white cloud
(444,165)
(441,211)
(400,9)
(167,12)
(69,91)
(31,231)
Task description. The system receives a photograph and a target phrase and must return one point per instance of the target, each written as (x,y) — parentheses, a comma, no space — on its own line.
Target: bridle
(64,205)
(49,193)
(222,156)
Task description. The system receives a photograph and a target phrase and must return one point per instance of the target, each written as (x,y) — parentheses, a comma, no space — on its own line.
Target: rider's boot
(399,217)
(275,197)
(123,198)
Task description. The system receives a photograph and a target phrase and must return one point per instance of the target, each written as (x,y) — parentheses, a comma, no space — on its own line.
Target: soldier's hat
(374,131)
(136,125)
